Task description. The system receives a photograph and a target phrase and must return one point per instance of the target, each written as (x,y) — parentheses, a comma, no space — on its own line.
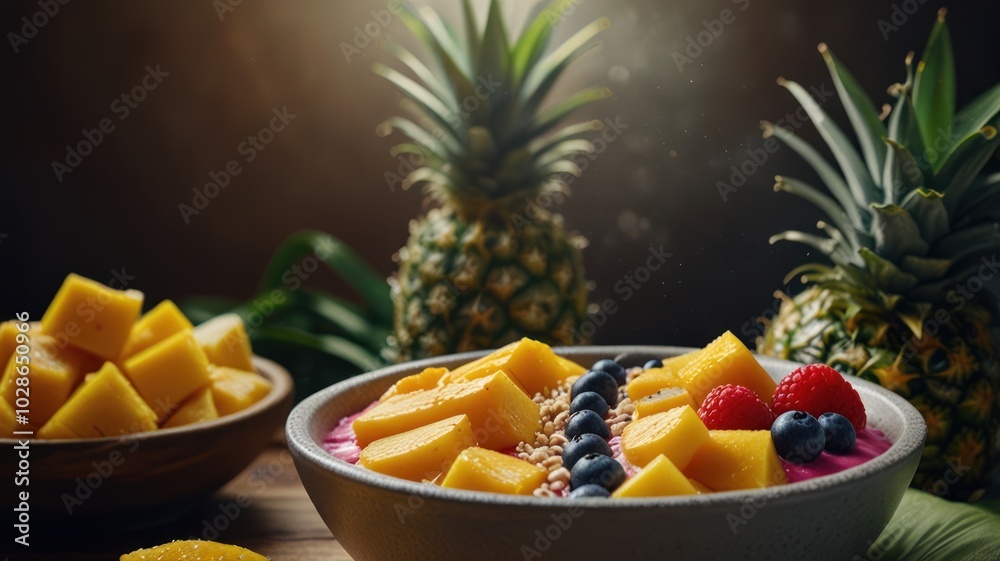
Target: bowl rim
(282,386)
(302,445)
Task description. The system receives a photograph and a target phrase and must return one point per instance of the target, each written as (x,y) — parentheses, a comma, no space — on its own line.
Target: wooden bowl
(145,479)
(377,517)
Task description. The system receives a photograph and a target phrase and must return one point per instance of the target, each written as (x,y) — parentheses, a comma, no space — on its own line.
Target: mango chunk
(677,434)
(700,487)
(8,340)
(53,372)
(663,400)
(737,459)
(660,478)
(198,408)
(422,453)
(106,406)
(8,423)
(193,550)
(501,414)
(235,390)
(225,342)
(427,379)
(478,469)
(92,317)
(169,372)
(154,326)
(531,364)
(655,379)
(726,361)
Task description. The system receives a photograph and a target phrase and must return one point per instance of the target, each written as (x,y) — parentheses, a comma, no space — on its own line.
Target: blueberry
(589,401)
(652,364)
(587,422)
(611,367)
(840,434)
(581,445)
(589,491)
(601,383)
(798,437)
(595,469)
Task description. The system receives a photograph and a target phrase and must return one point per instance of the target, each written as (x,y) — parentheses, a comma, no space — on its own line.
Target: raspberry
(818,389)
(732,407)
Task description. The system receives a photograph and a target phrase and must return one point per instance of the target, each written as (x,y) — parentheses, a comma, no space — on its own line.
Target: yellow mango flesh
(427,379)
(422,453)
(531,364)
(8,340)
(193,550)
(663,401)
(478,469)
(655,379)
(726,361)
(53,373)
(700,487)
(107,405)
(225,342)
(154,326)
(169,372)
(501,414)
(198,408)
(8,423)
(92,317)
(235,390)
(677,434)
(660,478)
(737,459)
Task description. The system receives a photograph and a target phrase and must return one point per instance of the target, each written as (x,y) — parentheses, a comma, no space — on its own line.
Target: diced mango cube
(427,379)
(501,414)
(700,487)
(662,401)
(91,316)
(53,373)
(8,340)
(420,454)
(225,341)
(660,478)
(154,326)
(655,379)
(478,469)
(726,361)
(531,364)
(198,408)
(169,372)
(8,422)
(737,459)
(677,434)
(235,390)
(106,406)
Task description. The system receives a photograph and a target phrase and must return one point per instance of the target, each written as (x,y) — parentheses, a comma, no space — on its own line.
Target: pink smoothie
(870,443)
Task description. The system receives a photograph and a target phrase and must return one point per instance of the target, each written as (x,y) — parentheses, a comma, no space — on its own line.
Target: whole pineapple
(912,235)
(490,264)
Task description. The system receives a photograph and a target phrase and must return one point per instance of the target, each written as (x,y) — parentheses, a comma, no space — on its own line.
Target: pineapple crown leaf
(909,208)
(480,111)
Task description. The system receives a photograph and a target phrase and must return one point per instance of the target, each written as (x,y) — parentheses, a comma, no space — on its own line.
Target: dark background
(655,185)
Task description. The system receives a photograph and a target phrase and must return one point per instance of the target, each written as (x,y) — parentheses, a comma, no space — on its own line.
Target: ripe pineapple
(489,265)
(912,236)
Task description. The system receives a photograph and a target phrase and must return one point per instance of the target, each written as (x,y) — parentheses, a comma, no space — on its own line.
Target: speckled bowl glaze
(379,518)
(116,483)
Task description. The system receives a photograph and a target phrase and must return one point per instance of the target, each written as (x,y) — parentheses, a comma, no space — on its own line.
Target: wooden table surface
(264,509)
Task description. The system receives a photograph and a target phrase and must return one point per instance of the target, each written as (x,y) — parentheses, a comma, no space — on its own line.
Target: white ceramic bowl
(379,518)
